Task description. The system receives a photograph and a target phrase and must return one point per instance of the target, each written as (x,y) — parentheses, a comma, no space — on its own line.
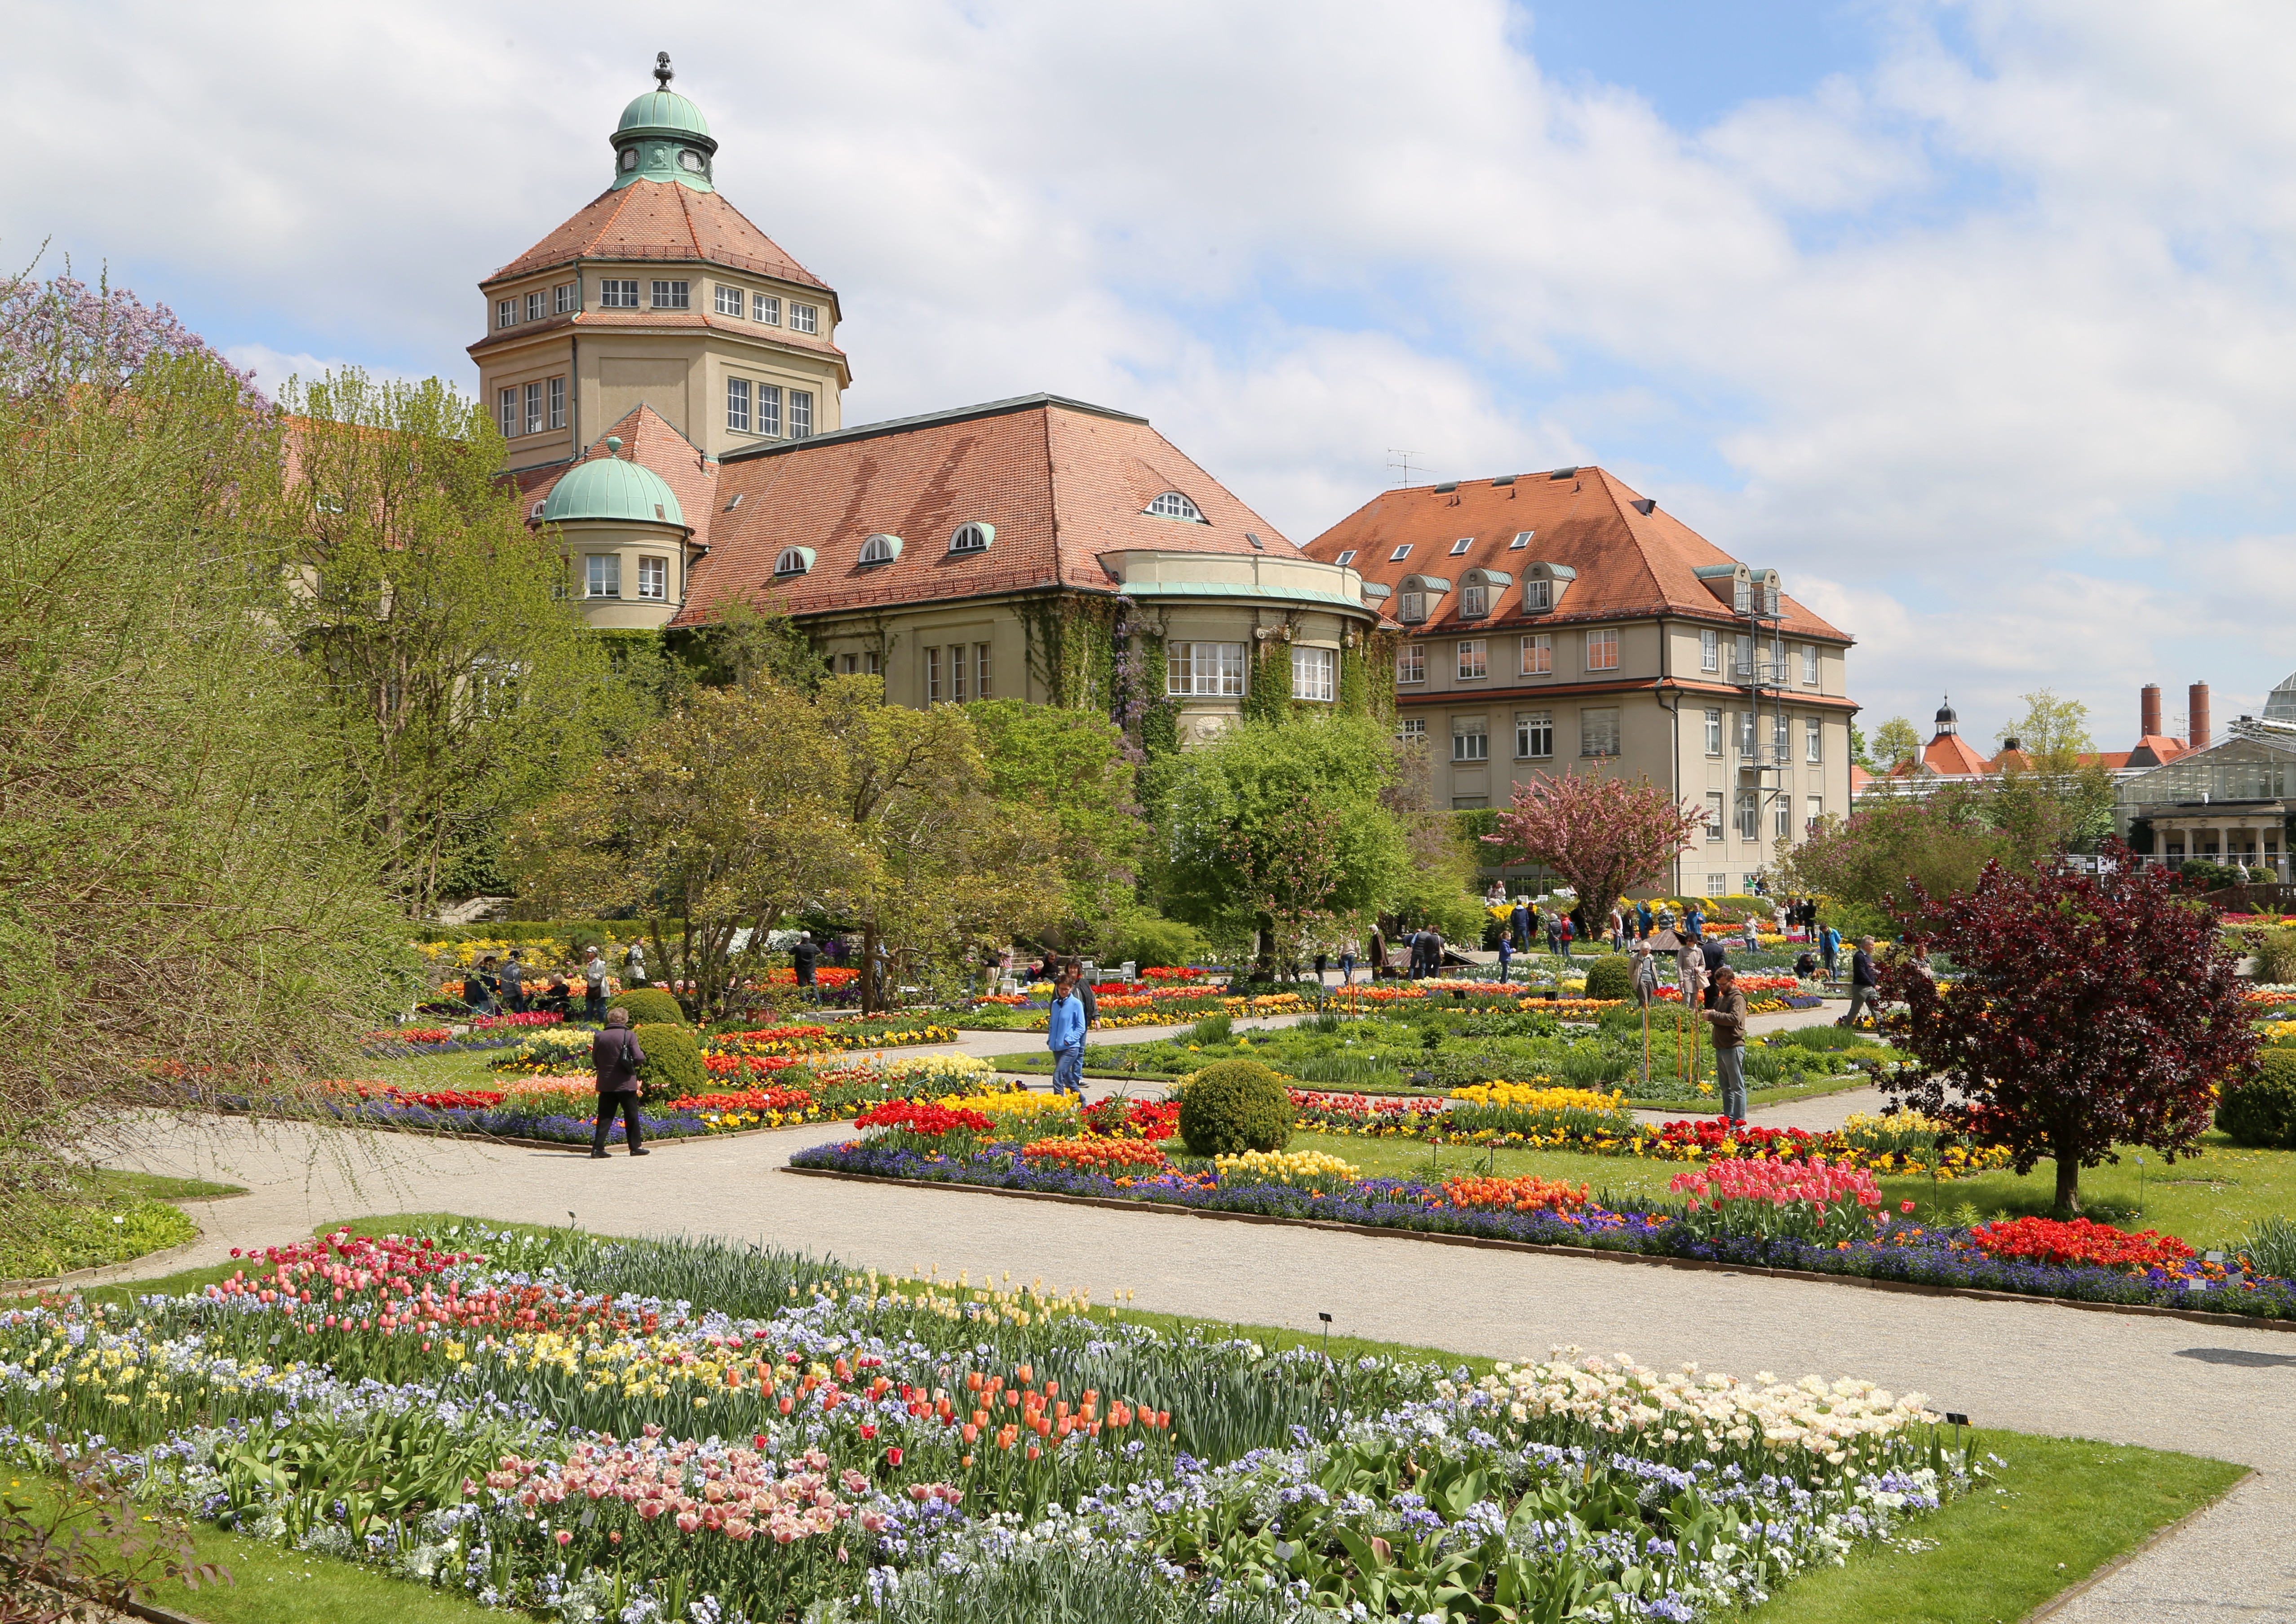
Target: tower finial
(661,73)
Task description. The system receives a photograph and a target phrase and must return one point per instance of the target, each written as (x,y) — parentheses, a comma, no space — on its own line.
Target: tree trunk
(868,968)
(1263,967)
(2068,1183)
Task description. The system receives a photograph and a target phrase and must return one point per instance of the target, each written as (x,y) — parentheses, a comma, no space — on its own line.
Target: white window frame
(980,652)
(1717,821)
(805,319)
(1597,723)
(960,684)
(1813,736)
(1410,664)
(1346,558)
(601,575)
(1814,811)
(1713,732)
(558,402)
(1602,648)
(732,301)
(1781,737)
(1411,608)
(1538,595)
(1474,658)
(769,410)
(1717,885)
(618,293)
(932,674)
(1471,739)
(506,313)
(671,294)
(1399,555)
(1312,674)
(1709,651)
(737,405)
(1781,817)
(1538,654)
(766,309)
(1746,814)
(537,305)
(972,536)
(801,413)
(653,579)
(1521,540)
(1809,664)
(1411,730)
(791,561)
(534,407)
(1471,599)
(1203,669)
(506,412)
(566,297)
(1175,504)
(1461,545)
(1534,735)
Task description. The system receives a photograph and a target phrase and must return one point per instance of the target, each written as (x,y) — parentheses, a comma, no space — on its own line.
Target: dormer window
(1471,601)
(692,161)
(1421,593)
(880,549)
(1480,590)
(629,158)
(1537,595)
(1544,584)
(974,537)
(1172,505)
(1742,594)
(793,561)
(1415,608)
(1461,545)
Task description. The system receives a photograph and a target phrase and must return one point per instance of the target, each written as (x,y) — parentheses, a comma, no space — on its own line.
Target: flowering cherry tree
(2083,1012)
(1602,835)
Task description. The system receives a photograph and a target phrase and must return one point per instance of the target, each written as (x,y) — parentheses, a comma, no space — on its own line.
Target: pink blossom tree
(63,333)
(1603,836)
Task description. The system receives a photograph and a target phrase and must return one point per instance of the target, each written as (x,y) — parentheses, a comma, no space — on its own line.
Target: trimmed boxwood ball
(673,1062)
(2259,1110)
(1232,1106)
(1611,976)
(649,1004)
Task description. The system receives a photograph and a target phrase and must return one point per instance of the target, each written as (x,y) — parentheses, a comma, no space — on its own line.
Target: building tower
(659,293)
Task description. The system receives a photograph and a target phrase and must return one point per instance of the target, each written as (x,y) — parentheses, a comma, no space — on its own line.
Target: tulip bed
(677,1431)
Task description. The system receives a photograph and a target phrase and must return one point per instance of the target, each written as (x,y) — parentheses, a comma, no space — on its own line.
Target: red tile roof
(1950,754)
(1630,563)
(661,220)
(647,438)
(1062,482)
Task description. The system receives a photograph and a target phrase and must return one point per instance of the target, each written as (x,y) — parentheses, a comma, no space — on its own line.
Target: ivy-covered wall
(1072,649)
(1268,686)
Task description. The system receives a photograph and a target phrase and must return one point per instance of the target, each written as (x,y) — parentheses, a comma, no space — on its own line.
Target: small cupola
(1544,584)
(611,487)
(1479,592)
(663,138)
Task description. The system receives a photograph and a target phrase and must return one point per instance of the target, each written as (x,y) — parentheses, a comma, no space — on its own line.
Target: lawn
(113,1217)
(2061,1510)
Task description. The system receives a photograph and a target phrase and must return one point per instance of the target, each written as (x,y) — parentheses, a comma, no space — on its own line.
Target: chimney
(2148,705)
(2198,703)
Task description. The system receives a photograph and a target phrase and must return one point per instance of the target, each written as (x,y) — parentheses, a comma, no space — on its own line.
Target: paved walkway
(2222,1391)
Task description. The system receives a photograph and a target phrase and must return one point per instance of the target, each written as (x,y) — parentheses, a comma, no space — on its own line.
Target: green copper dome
(665,110)
(663,138)
(609,487)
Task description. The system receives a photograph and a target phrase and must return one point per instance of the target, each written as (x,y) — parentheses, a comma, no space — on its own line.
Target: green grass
(2062,1509)
(110,1217)
(120,1186)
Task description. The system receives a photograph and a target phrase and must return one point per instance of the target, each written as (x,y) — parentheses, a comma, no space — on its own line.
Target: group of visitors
(1075,1010)
(501,986)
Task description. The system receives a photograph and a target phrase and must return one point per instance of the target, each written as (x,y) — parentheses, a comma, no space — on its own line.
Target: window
(506,313)
(1769,600)
(537,305)
(1411,664)
(1470,803)
(507,410)
(1717,885)
(1602,649)
(1538,654)
(1537,595)
(1781,817)
(616,293)
(566,296)
(1399,555)
(1411,730)
(804,318)
(1811,731)
(671,295)
(980,670)
(800,416)
(1814,814)
(972,538)
(1714,827)
(1709,651)
(960,689)
(729,300)
(1809,662)
(1534,734)
(603,575)
(932,674)
(1713,732)
(793,561)
(871,664)
(737,405)
(1212,669)
(1473,659)
(770,408)
(1311,673)
(1414,608)
(1742,594)
(691,160)
(653,578)
(1346,558)
(558,403)
(765,308)
(1521,540)
(534,408)
(1742,658)
(1746,732)
(1471,601)
(1470,739)
(1461,545)
(1750,815)
(1172,505)
(1781,738)
(880,549)
(1598,731)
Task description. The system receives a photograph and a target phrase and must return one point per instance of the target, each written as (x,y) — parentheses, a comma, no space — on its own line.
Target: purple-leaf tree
(61,333)
(2083,1012)
(1603,836)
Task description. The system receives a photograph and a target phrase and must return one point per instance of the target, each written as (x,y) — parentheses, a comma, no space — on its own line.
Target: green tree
(178,900)
(1271,824)
(1895,744)
(2055,799)
(462,684)
(1072,767)
(2053,734)
(1940,841)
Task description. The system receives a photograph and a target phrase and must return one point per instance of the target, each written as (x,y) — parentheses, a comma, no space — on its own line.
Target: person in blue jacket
(1064,1035)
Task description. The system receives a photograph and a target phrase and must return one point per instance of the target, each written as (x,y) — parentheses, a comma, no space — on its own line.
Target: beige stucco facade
(643,583)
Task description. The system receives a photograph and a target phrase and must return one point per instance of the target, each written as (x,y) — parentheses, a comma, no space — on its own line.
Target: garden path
(2225,1391)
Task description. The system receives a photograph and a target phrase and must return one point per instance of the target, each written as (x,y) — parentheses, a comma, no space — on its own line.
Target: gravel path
(2222,1392)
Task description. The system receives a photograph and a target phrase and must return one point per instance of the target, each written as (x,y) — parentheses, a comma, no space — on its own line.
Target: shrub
(673,1061)
(1824,1037)
(1233,1106)
(2275,955)
(1611,976)
(1210,1031)
(650,1005)
(2261,1108)
(1151,939)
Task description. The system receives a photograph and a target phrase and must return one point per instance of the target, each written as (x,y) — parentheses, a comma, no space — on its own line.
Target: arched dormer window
(1421,598)
(972,538)
(1479,591)
(1172,505)
(880,549)
(793,561)
(1544,584)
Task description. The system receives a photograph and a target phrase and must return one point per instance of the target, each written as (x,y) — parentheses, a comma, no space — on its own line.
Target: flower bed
(589,1429)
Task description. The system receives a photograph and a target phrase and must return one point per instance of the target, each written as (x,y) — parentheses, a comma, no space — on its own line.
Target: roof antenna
(661,73)
(1399,461)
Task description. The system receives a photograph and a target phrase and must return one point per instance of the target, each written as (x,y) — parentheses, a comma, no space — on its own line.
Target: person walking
(1829,947)
(1375,951)
(1712,955)
(513,984)
(1555,932)
(1085,980)
(1618,929)
(593,981)
(1064,1035)
(1569,930)
(1753,935)
(634,972)
(1727,1012)
(1863,982)
(1524,924)
(1643,920)
(1645,981)
(1506,953)
(1690,971)
(1696,922)
(802,958)
(1434,951)
(615,1056)
(1347,964)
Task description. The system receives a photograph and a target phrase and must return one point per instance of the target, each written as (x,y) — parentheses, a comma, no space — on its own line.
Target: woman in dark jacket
(616,1057)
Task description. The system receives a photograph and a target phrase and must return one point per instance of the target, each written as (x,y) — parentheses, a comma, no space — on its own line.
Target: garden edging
(2157,1537)
(1918,1288)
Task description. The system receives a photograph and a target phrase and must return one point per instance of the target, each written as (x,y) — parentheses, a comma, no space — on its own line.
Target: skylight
(1461,545)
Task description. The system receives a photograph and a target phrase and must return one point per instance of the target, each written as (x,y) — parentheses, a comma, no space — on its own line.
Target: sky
(1973,320)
